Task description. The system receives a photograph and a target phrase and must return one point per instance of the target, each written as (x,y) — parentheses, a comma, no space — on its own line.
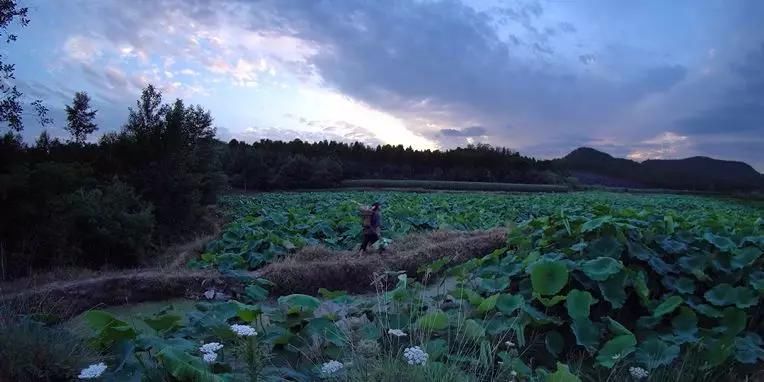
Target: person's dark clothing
(371,233)
(369,238)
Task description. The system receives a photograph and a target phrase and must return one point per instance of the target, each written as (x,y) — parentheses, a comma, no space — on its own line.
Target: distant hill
(591,166)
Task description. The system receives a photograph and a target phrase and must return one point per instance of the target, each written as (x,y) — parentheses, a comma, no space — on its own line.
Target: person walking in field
(372,225)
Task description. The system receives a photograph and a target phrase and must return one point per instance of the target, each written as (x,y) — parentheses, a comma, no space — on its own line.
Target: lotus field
(589,287)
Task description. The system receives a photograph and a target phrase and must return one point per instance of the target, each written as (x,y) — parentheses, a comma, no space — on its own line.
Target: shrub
(31,351)
(109,225)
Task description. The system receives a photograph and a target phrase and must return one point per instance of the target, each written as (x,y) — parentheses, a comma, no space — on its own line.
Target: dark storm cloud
(472,131)
(742,110)
(394,55)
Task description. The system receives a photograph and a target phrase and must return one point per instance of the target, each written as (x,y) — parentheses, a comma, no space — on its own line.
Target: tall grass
(32,351)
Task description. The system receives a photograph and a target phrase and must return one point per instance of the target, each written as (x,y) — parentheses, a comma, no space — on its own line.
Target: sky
(637,79)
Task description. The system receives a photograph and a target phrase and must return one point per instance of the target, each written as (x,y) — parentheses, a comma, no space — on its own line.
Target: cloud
(473,131)
(82,49)
(741,110)
(663,146)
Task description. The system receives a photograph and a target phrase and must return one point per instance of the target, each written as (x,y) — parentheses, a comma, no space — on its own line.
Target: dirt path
(303,272)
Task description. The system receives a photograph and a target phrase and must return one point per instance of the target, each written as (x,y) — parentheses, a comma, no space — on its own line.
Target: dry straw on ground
(303,272)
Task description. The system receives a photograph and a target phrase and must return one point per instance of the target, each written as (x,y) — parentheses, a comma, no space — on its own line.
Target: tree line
(267,164)
(112,202)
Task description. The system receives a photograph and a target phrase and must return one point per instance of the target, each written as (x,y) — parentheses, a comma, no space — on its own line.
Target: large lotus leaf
(539,316)
(493,285)
(667,305)
(554,342)
(679,284)
(725,294)
(653,353)
(748,348)
(648,322)
(756,279)
(704,309)
(184,367)
(744,256)
(507,303)
(108,329)
(693,263)
(562,374)
(685,325)
(578,303)
(473,331)
(723,243)
(470,295)
(579,247)
(640,251)
(299,303)
(552,301)
(587,333)
(436,348)
(614,289)
(437,320)
(672,246)
(605,246)
(163,322)
(548,277)
(661,267)
(716,352)
(638,280)
(733,321)
(595,223)
(616,349)
(617,328)
(601,268)
(488,304)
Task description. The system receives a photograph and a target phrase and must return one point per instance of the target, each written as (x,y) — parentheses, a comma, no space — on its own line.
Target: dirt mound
(316,267)
(70,298)
(304,272)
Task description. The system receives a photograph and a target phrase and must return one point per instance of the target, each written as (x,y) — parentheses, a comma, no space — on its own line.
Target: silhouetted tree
(80,118)
(11,108)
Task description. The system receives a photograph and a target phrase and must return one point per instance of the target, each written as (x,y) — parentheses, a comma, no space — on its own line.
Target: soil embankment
(303,272)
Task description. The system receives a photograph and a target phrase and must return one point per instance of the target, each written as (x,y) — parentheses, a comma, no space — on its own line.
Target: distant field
(452,185)
(266,225)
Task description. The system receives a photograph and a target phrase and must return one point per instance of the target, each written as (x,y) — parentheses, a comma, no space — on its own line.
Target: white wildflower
(331,367)
(211,347)
(513,373)
(509,344)
(397,332)
(92,371)
(415,356)
(638,372)
(209,294)
(210,357)
(243,330)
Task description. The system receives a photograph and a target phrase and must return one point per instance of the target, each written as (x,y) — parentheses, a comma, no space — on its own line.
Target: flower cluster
(209,351)
(396,332)
(211,347)
(92,371)
(638,372)
(243,330)
(331,367)
(210,357)
(415,356)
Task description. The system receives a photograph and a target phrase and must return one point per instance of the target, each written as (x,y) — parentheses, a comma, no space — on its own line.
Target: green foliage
(548,277)
(542,300)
